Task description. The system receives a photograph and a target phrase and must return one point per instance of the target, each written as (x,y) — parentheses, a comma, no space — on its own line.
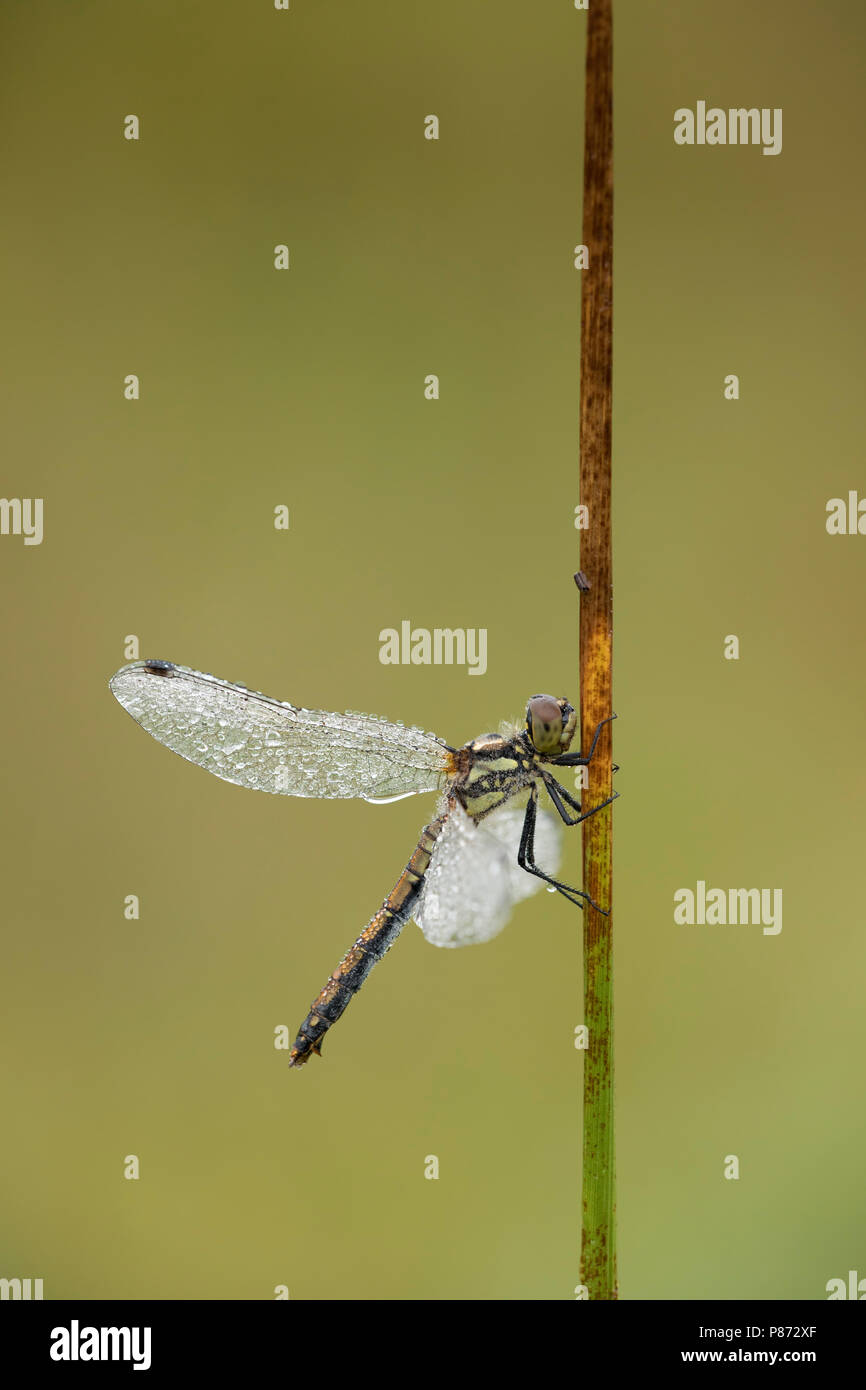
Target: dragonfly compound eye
(544,723)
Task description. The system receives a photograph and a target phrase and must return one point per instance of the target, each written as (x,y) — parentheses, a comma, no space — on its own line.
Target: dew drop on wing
(386,800)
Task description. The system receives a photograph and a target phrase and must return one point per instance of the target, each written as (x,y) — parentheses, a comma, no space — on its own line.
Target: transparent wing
(253,741)
(474,879)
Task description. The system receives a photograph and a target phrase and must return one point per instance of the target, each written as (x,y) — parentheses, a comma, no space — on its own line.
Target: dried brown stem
(598,1249)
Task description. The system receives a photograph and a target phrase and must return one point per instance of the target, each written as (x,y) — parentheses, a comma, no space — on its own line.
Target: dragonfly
(472,863)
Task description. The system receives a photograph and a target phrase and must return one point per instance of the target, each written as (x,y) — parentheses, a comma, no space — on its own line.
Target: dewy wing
(253,741)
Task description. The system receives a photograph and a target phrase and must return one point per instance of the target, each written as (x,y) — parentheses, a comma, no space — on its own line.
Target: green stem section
(598,1247)
(598,1252)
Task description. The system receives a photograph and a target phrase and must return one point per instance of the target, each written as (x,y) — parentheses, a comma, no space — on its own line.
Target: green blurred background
(306,388)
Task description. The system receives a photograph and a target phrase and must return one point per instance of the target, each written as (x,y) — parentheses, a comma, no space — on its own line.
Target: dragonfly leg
(558,795)
(526,858)
(577,759)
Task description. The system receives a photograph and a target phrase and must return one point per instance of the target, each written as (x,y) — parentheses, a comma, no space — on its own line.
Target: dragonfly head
(550,724)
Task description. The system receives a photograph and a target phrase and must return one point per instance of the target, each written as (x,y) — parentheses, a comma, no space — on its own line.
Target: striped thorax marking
(496,769)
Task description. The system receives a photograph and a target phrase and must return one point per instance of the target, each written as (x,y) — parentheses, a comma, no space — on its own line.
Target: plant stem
(598,1247)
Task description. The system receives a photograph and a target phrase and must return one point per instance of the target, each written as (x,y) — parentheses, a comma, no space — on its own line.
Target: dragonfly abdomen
(375,940)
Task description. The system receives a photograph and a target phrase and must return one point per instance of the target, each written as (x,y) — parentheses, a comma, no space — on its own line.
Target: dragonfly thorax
(490,771)
(550,724)
(487,745)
